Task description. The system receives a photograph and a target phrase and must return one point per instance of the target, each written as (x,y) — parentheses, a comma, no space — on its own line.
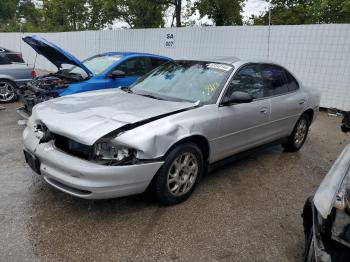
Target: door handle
(263,110)
(301,102)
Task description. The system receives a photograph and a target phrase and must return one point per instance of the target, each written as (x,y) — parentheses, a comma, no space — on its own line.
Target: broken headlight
(30,123)
(111,153)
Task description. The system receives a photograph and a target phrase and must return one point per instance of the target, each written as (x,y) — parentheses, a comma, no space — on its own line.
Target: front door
(134,68)
(244,126)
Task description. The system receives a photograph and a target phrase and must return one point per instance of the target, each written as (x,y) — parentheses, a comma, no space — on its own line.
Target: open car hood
(88,116)
(53,53)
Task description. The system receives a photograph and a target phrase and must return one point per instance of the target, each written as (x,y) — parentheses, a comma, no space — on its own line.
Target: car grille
(73,148)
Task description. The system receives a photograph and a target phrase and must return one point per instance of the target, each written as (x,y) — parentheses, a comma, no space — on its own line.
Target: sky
(254,7)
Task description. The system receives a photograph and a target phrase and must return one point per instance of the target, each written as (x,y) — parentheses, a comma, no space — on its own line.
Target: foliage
(72,15)
(292,12)
(223,12)
(64,15)
(136,13)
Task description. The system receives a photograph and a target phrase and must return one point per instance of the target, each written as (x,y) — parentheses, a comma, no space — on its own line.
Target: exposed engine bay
(45,87)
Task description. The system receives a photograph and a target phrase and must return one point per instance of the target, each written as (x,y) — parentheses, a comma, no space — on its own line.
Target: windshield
(96,64)
(185,81)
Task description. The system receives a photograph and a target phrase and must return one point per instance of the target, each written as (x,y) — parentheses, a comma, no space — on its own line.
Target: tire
(297,139)
(7,91)
(179,175)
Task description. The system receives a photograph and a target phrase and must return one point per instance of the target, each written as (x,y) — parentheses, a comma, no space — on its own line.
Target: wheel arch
(199,140)
(310,113)
(12,81)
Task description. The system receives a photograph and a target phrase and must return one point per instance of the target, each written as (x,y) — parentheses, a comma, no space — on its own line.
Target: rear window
(275,80)
(292,82)
(4,60)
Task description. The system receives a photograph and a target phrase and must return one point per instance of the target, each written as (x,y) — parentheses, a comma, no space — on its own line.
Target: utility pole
(269,35)
(20,36)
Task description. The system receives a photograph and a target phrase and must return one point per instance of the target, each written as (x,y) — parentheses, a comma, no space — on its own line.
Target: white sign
(169,40)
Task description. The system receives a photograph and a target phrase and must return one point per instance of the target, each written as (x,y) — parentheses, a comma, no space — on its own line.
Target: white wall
(319,55)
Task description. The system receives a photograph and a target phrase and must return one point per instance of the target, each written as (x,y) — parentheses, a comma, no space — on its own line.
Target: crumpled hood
(86,117)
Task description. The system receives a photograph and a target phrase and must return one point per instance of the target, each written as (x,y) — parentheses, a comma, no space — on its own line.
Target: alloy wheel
(7,91)
(182,174)
(301,132)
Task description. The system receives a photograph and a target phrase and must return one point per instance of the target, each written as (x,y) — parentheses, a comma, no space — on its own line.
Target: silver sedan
(164,131)
(11,76)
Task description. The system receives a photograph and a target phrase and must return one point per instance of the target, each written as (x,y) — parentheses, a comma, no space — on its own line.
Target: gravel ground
(248,210)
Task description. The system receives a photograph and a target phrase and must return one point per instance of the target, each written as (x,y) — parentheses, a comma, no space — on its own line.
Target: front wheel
(297,139)
(177,178)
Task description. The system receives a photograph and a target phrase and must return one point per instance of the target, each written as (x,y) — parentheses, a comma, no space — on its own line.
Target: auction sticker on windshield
(219,66)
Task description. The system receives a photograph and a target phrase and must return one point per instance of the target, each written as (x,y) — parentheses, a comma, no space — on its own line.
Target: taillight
(33,73)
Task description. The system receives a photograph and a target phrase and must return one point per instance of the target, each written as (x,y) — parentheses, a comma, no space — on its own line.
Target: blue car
(107,70)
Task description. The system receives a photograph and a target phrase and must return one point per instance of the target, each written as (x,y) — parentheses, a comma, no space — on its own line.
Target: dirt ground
(248,210)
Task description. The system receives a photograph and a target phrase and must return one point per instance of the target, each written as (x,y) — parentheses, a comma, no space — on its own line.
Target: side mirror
(238,97)
(117,74)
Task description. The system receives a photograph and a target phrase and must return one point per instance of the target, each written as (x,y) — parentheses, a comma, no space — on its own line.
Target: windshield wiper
(126,89)
(150,96)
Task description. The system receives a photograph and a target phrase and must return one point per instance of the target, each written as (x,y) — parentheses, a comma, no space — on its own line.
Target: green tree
(8,10)
(96,15)
(8,17)
(292,12)
(177,5)
(223,12)
(286,12)
(136,13)
(65,15)
(331,11)
(29,16)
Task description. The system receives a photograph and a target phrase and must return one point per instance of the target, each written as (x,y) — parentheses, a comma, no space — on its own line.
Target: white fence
(319,55)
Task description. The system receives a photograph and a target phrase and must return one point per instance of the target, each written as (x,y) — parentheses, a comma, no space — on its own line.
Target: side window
(248,79)
(157,62)
(275,80)
(4,60)
(292,82)
(134,67)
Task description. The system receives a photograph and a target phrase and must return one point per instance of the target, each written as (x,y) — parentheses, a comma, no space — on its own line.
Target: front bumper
(85,179)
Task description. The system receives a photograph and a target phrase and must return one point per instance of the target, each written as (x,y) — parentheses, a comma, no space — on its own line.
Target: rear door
(244,126)
(287,101)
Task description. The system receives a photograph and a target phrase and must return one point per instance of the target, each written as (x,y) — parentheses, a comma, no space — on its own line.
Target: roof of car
(133,54)
(217,59)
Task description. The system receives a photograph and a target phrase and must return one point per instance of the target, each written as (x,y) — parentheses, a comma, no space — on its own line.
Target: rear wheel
(177,178)
(7,91)
(297,139)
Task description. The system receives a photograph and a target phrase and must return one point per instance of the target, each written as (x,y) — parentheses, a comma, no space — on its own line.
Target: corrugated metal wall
(319,55)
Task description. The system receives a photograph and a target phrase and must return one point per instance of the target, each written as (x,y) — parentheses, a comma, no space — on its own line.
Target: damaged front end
(43,88)
(49,86)
(103,152)
(330,212)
